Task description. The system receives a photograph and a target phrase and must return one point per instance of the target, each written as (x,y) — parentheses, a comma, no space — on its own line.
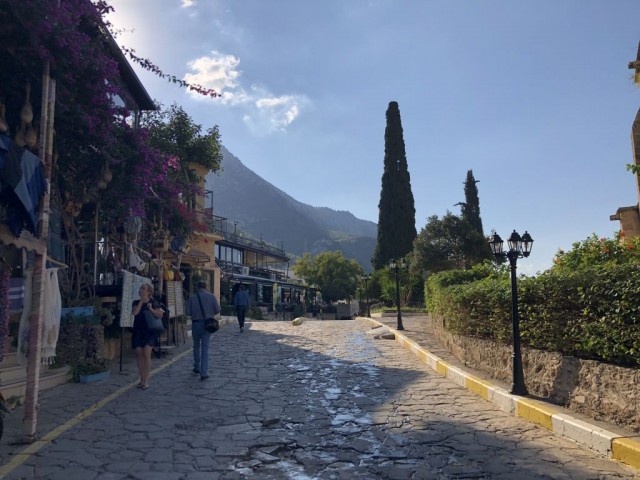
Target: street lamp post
(396,266)
(366,278)
(518,247)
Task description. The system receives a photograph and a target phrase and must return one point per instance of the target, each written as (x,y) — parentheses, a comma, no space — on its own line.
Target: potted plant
(91,370)
(94,367)
(83,330)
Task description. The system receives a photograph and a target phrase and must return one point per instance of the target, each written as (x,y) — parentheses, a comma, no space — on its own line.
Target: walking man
(201,305)
(241,301)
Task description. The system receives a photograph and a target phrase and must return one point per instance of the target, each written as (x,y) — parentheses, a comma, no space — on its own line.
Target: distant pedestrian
(201,305)
(242,302)
(142,339)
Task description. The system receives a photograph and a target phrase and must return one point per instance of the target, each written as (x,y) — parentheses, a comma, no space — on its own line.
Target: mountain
(263,210)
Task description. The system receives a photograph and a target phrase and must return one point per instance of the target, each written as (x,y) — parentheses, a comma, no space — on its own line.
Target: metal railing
(220,226)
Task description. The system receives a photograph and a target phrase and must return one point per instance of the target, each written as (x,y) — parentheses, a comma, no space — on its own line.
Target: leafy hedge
(590,312)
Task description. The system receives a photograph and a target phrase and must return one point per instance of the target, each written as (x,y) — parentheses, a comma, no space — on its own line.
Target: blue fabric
(201,337)
(210,305)
(31,186)
(241,299)
(23,173)
(201,340)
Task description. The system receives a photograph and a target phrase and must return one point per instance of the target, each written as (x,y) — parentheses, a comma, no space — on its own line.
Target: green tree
(445,244)
(410,284)
(396,210)
(478,247)
(174,133)
(471,205)
(336,276)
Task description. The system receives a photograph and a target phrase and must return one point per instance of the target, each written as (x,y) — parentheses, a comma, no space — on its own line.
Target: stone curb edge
(613,445)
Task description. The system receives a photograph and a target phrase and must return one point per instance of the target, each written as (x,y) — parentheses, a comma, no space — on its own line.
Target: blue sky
(534,97)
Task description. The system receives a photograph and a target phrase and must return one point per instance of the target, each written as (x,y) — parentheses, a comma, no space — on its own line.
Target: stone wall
(599,390)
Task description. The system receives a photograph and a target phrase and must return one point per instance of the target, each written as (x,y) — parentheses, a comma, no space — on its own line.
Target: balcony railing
(220,226)
(235,269)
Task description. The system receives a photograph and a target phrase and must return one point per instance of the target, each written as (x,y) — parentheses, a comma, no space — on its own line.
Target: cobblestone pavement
(324,400)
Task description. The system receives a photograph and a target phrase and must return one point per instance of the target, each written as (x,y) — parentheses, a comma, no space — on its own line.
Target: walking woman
(143,340)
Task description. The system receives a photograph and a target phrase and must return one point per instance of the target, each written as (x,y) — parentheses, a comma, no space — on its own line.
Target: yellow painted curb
(536,412)
(477,386)
(623,449)
(36,446)
(626,450)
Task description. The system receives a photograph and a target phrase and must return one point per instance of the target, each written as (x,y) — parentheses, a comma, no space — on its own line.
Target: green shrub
(255,313)
(590,312)
(598,251)
(437,283)
(549,309)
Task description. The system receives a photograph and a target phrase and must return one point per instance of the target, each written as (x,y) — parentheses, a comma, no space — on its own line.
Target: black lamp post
(396,266)
(518,247)
(366,278)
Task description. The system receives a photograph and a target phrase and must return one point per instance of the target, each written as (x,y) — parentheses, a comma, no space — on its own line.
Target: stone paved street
(324,400)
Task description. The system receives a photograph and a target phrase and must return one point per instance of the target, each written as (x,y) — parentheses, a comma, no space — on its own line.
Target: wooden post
(39,271)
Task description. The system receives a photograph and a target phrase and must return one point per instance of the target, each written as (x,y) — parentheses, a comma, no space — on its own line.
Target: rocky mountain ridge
(264,211)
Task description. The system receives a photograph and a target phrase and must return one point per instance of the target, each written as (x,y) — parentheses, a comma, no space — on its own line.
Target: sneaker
(241,329)
(203,378)
(196,371)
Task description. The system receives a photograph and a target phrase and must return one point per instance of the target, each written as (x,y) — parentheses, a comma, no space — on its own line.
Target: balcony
(220,226)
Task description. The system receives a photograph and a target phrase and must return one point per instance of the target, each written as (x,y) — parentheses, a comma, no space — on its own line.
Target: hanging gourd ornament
(30,136)
(19,138)
(26,114)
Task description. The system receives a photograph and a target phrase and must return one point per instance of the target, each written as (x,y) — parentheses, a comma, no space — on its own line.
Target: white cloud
(216,71)
(263,112)
(279,111)
(189,3)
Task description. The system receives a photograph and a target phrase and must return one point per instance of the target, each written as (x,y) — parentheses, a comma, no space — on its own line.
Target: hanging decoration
(16,294)
(5,276)
(52,313)
(131,284)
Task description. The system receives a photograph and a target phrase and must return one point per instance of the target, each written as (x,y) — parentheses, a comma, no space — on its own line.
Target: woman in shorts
(142,339)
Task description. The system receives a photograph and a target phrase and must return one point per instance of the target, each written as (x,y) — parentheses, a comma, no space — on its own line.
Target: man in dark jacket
(242,302)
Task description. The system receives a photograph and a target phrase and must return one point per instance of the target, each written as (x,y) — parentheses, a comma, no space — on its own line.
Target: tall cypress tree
(396,210)
(476,248)
(471,206)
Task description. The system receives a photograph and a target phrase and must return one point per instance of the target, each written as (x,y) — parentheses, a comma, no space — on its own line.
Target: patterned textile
(16,294)
(131,284)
